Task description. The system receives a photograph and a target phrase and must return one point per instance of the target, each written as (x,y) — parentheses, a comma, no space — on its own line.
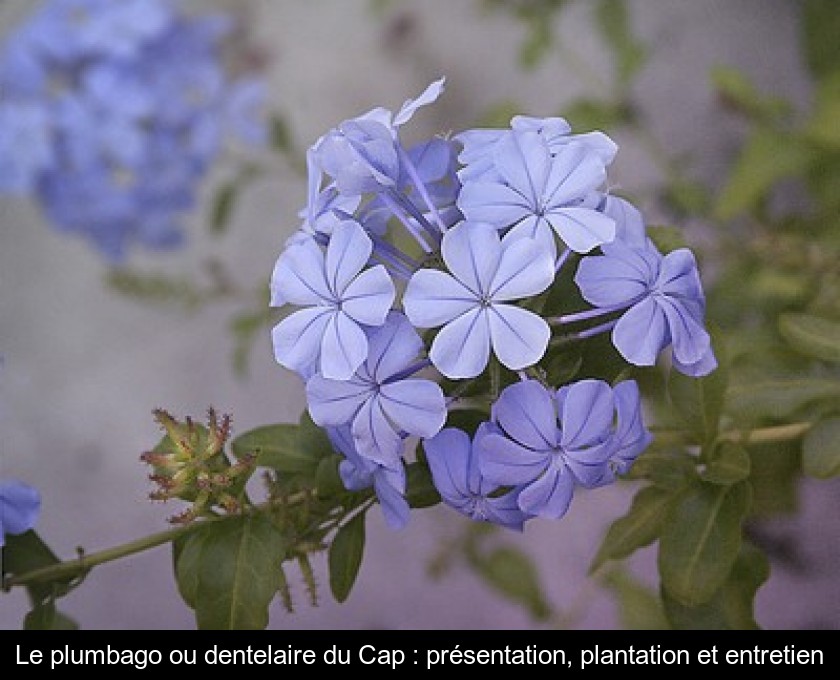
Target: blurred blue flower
(472,303)
(339,297)
(359,473)
(537,192)
(453,462)
(664,302)
(20,506)
(545,443)
(121,105)
(381,402)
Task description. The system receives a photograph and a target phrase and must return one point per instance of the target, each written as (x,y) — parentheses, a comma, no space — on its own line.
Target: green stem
(761,435)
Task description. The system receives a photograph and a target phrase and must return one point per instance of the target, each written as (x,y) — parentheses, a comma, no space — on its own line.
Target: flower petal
(335,402)
(575,171)
(472,251)
(416,405)
(298,276)
(689,339)
(524,161)
(493,202)
(614,280)
(374,436)
(582,229)
(393,347)
(448,454)
(20,506)
(348,251)
(369,297)
(550,495)
(527,412)
(461,348)
(519,337)
(525,269)
(433,298)
(297,338)
(506,463)
(344,347)
(641,333)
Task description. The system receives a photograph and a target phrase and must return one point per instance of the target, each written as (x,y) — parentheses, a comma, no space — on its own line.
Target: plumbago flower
(432,278)
(20,506)
(112,114)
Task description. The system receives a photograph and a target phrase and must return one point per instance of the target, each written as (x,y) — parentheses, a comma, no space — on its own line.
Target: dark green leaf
(420,489)
(666,468)
(812,335)
(821,449)
(640,527)
(701,540)
(513,574)
(345,556)
(775,473)
(294,449)
(45,616)
(327,477)
(223,205)
(187,552)
(666,238)
(700,401)
(727,463)
(820,28)
(594,114)
(27,552)
(238,573)
(732,606)
(281,139)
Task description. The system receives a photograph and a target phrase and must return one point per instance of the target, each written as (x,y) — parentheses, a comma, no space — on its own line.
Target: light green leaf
(738,92)
(230,572)
(666,468)
(766,158)
(420,491)
(614,22)
(812,335)
(513,574)
(639,606)
(640,527)
(285,447)
(222,207)
(701,541)
(778,399)
(821,449)
(345,556)
(727,463)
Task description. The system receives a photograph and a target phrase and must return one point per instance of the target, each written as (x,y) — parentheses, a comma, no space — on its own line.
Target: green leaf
(281,138)
(594,114)
(727,463)
(328,478)
(222,207)
(812,335)
(228,571)
(821,449)
(513,574)
(639,607)
(45,616)
(775,474)
(701,540)
(666,238)
(666,468)
(778,399)
(640,527)
(293,449)
(820,28)
(420,489)
(699,401)
(732,606)
(738,92)
(27,552)
(345,556)
(614,23)
(766,158)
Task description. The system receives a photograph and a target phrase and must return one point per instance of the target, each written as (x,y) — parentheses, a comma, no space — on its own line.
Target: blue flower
(537,191)
(546,443)
(453,462)
(20,506)
(472,303)
(664,302)
(359,473)
(381,402)
(339,298)
(25,145)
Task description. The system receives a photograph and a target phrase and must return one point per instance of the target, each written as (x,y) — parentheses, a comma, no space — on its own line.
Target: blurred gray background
(83,367)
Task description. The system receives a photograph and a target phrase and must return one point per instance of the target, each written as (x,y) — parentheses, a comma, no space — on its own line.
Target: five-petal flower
(473,302)
(20,505)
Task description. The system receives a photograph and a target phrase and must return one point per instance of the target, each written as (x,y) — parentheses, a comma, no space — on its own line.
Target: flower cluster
(111,113)
(20,506)
(423,274)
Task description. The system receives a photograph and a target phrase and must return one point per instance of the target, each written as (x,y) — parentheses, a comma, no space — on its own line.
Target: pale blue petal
(706,364)
(587,410)
(689,339)
(20,506)
(415,405)
(348,252)
(472,251)
(629,223)
(525,269)
(678,275)
(298,276)
(582,229)
(394,506)
(393,347)
(461,348)
(574,173)
(448,454)
(374,436)
(537,229)
(506,463)
(335,402)
(297,338)
(527,412)
(595,142)
(344,347)
(433,298)
(428,96)
(550,495)
(519,337)
(368,297)
(524,161)
(641,333)
(493,202)
(613,281)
